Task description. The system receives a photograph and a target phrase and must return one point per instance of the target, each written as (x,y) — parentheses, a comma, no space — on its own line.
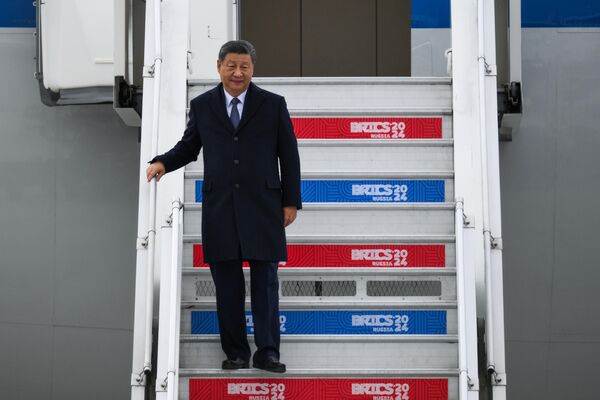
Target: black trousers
(231,297)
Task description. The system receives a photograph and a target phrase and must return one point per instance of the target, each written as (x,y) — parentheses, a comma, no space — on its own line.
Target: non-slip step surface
(357,219)
(366,159)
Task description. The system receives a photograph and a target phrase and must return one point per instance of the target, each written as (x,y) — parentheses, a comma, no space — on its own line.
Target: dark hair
(238,47)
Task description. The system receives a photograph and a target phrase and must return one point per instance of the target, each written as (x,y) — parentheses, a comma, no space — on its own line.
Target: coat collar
(254,98)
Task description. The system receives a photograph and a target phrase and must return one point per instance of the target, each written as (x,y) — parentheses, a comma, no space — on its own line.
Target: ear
(218,64)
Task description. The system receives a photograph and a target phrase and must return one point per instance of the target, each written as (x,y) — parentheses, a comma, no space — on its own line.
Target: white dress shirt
(240,105)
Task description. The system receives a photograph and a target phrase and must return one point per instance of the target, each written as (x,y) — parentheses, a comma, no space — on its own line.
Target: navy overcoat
(243,193)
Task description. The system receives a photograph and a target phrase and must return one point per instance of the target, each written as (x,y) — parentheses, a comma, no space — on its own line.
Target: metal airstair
(378,297)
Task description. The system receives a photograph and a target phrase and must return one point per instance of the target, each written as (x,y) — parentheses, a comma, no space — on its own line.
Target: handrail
(156,69)
(463,383)
(487,237)
(174,301)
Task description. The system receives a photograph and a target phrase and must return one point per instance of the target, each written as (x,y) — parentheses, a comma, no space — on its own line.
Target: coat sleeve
(289,160)
(186,150)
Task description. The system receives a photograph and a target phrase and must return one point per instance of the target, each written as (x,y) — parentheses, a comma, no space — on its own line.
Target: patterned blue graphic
(373,191)
(367,191)
(335,322)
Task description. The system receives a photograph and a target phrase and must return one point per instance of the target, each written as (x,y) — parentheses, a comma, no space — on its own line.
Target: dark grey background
(68,212)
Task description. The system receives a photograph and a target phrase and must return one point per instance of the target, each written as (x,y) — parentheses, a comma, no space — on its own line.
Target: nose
(238,72)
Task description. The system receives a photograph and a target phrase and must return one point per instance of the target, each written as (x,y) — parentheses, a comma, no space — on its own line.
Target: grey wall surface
(550,180)
(68,204)
(68,217)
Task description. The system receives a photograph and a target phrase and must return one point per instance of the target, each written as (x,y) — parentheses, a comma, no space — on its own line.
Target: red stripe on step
(392,128)
(356,256)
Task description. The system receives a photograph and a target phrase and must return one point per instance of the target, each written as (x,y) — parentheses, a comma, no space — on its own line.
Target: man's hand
(156,169)
(289,215)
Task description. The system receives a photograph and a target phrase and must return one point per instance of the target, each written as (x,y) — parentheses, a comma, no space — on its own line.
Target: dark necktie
(235,114)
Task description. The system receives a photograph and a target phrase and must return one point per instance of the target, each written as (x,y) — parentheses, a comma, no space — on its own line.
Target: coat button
(236,162)
(237,185)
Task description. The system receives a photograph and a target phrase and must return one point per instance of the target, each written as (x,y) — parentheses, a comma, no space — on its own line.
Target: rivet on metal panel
(142,243)
(496,243)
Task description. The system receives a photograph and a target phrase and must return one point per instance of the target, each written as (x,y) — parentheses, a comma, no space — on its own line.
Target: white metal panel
(211,25)
(77,43)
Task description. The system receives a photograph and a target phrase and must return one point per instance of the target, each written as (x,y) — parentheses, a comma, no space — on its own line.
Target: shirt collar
(228,97)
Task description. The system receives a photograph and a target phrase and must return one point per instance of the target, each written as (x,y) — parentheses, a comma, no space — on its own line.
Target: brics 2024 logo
(382,257)
(382,322)
(382,391)
(258,390)
(382,192)
(380,129)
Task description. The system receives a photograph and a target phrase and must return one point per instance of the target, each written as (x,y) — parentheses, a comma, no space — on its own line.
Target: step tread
(447,338)
(329,81)
(350,271)
(320,304)
(351,239)
(319,373)
(199,174)
(359,206)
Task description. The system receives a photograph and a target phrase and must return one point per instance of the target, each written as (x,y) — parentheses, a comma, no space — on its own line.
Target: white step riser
(356,221)
(369,161)
(337,355)
(332,93)
(201,287)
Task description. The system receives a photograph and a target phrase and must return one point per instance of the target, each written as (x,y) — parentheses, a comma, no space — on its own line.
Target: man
(247,134)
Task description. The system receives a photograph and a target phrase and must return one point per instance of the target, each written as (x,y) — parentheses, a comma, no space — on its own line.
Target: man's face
(236,72)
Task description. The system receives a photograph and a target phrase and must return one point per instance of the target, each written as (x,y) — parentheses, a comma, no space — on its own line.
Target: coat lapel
(254,98)
(217,105)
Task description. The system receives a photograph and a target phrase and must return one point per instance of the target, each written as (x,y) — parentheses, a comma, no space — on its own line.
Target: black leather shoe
(270,364)
(238,363)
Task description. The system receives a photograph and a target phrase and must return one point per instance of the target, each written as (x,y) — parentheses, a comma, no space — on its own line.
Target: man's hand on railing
(156,169)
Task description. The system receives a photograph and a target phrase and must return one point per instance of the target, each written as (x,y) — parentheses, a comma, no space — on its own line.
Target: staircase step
(372,157)
(370,126)
(297,384)
(358,190)
(392,256)
(329,354)
(319,219)
(385,320)
(345,239)
(327,93)
(349,287)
